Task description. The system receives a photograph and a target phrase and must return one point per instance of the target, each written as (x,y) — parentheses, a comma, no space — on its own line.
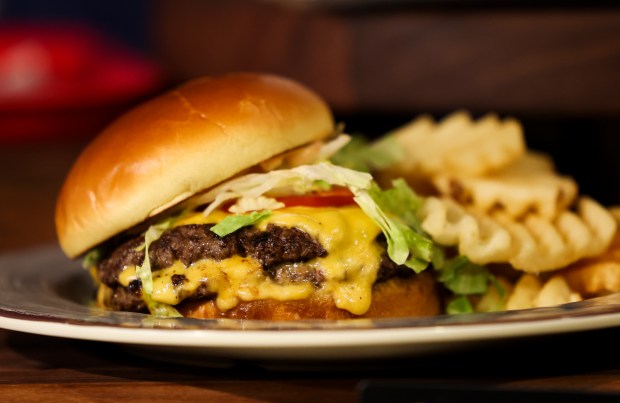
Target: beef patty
(275,248)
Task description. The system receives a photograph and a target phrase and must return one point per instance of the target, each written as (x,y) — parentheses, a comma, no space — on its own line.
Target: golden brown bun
(178,144)
(415,296)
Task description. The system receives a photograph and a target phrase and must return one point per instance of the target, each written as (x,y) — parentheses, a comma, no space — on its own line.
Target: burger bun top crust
(178,144)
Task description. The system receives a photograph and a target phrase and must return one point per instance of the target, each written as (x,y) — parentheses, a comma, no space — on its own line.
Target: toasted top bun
(179,144)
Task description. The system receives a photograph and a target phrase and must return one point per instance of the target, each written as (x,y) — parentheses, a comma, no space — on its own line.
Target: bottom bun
(397,297)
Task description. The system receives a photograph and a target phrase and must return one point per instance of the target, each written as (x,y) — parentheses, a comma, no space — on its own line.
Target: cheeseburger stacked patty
(213,200)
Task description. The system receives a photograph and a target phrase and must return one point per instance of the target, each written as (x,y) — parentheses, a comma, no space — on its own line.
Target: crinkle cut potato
(505,207)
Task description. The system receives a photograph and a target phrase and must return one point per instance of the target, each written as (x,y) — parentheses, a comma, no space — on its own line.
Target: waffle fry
(413,137)
(524,293)
(529,185)
(556,291)
(459,144)
(600,274)
(478,236)
(531,292)
(533,244)
(493,300)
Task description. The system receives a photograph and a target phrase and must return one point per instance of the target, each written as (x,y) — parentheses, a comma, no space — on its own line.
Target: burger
(217,200)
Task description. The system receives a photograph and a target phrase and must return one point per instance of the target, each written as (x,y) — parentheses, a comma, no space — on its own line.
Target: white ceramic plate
(41,292)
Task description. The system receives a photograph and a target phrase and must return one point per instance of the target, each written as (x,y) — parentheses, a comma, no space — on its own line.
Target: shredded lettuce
(461,276)
(92,258)
(459,305)
(438,259)
(499,287)
(160,309)
(334,145)
(361,155)
(298,180)
(232,223)
(322,185)
(244,205)
(144,270)
(465,278)
(145,274)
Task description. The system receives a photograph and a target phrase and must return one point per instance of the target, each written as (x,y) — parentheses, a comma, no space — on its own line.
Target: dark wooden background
(521,60)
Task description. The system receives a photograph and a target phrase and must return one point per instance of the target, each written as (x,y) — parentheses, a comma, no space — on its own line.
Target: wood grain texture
(522,60)
(37,367)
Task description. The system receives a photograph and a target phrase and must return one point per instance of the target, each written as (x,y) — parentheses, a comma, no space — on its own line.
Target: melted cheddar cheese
(349,269)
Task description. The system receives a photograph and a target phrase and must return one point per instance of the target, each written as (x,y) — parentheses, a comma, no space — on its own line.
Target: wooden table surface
(38,368)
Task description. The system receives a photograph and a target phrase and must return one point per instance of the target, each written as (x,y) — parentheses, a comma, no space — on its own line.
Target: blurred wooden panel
(549,61)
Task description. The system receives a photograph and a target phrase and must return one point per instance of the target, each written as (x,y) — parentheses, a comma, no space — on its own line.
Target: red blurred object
(66,80)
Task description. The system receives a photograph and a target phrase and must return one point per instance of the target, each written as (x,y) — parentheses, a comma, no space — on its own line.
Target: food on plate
(458,144)
(530,184)
(504,217)
(216,199)
(532,244)
(597,275)
(531,291)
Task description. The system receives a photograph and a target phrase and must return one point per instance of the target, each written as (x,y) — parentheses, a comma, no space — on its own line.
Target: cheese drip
(349,269)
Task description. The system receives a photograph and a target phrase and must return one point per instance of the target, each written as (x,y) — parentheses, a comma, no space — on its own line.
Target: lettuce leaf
(145,274)
(459,305)
(400,201)
(463,277)
(92,258)
(232,223)
(394,210)
(361,155)
(160,309)
(144,270)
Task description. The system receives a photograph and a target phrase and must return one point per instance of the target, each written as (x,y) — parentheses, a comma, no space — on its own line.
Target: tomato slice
(335,197)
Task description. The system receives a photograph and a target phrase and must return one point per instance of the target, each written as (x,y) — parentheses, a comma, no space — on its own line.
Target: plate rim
(244,335)
(314,337)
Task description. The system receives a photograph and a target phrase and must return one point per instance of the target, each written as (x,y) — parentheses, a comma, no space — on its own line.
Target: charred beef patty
(275,248)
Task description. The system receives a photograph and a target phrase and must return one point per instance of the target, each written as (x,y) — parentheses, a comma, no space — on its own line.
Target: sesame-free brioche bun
(179,144)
